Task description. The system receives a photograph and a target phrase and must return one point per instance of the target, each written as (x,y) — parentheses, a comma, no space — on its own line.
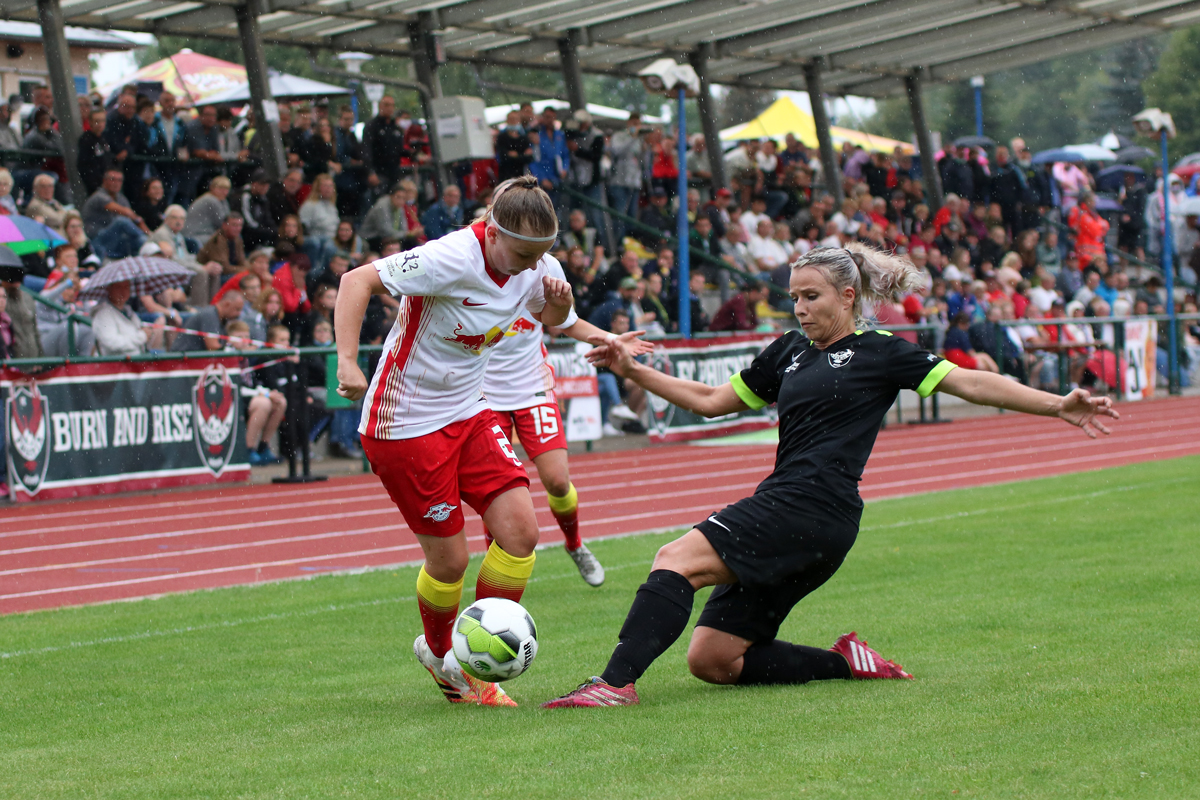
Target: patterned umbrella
(147,276)
(24,235)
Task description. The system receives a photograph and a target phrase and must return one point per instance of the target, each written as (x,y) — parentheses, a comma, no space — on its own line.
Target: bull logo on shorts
(215,414)
(29,447)
(440,512)
(478,342)
(840,358)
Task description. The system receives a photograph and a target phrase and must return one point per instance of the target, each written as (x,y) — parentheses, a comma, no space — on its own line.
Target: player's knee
(672,556)
(521,541)
(558,485)
(709,667)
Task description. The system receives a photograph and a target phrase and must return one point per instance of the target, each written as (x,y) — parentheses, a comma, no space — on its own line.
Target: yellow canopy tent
(784,117)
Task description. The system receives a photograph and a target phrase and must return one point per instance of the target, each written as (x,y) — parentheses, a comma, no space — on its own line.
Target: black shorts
(781,545)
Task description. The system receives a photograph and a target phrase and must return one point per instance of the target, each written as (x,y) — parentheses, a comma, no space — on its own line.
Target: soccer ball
(494,639)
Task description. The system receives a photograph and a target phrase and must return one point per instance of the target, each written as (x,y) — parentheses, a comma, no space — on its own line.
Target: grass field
(1052,627)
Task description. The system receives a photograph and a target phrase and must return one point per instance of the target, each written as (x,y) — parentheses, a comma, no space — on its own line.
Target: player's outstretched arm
(699,398)
(354,293)
(583,331)
(1078,408)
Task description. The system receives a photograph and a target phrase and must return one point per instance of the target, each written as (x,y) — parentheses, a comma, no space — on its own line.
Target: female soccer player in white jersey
(519,387)
(426,428)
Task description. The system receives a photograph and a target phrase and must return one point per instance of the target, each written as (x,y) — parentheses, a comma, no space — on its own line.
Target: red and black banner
(85,429)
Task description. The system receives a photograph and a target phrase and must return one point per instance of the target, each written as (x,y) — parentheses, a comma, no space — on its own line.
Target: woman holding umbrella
(117,329)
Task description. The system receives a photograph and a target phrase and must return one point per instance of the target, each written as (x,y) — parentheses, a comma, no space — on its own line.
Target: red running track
(99,550)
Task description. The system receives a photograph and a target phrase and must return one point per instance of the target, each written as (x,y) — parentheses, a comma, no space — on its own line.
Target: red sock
(438,603)
(569,522)
(566,510)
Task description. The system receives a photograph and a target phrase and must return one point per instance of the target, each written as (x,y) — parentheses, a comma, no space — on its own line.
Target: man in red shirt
(738,314)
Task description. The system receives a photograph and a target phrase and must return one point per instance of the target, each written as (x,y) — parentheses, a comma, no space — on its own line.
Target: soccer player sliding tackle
(832,383)
(426,427)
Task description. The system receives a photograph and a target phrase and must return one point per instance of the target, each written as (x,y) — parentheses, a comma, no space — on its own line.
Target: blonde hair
(220,182)
(873,274)
(521,206)
(314,196)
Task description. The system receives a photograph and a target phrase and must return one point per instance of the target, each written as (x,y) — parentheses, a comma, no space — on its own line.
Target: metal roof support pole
(266,113)
(568,53)
(708,115)
(423,46)
(929,173)
(62,84)
(816,98)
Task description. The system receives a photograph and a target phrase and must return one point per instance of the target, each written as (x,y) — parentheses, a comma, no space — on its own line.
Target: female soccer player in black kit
(833,383)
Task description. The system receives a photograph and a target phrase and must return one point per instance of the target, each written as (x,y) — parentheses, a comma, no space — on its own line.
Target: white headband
(507,232)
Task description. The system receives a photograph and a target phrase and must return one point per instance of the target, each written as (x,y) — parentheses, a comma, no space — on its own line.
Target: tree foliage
(1175,87)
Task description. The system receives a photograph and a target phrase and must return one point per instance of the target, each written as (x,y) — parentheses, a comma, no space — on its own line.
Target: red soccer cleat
(594,694)
(864,662)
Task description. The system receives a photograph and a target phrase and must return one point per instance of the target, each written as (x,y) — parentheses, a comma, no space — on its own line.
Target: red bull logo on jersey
(522,325)
(475,343)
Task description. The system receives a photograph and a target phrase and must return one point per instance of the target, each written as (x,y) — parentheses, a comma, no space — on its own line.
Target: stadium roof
(868,44)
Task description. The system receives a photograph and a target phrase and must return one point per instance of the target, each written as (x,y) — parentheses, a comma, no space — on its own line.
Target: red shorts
(961,358)
(539,428)
(429,477)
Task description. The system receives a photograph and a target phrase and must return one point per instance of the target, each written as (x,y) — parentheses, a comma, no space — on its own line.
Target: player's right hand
(637,347)
(352,384)
(611,352)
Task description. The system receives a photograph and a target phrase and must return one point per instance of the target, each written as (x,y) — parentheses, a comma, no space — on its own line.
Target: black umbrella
(1127,155)
(1110,179)
(974,141)
(12,268)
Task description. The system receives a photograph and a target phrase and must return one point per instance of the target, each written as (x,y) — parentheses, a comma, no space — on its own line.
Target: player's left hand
(557,292)
(1081,410)
(634,345)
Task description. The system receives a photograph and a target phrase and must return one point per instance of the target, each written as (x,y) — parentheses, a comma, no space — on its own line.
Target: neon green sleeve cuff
(934,378)
(745,394)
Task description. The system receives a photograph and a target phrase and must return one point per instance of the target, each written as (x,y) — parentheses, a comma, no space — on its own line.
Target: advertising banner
(85,429)
(712,362)
(576,388)
(1141,341)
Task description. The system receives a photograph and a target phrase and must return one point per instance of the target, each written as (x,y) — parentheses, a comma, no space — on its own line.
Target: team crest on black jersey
(840,358)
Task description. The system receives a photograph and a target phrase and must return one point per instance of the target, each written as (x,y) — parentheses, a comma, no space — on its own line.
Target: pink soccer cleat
(595,693)
(864,662)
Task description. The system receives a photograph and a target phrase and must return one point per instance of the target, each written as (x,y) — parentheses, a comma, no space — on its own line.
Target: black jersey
(831,403)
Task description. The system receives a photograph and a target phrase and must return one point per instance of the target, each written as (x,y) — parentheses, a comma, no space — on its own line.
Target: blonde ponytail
(875,276)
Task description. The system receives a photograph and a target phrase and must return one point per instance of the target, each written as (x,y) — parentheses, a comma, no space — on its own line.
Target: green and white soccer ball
(494,639)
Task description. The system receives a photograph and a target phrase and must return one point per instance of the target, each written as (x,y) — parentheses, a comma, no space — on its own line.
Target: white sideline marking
(236,623)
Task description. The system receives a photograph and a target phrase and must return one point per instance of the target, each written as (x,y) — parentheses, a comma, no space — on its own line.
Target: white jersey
(518,375)
(453,309)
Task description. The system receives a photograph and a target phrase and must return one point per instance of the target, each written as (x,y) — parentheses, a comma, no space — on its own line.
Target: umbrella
(974,141)
(282,85)
(1127,155)
(1110,179)
(24,235)
(1057,155)
(1092,152)
(10,259)
(1189,207)
(148,275)
(1114,141)
(1107,204)
(12,269)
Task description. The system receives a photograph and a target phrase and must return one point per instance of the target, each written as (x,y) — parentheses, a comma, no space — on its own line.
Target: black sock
(656,619)
(783,662)
(262,447)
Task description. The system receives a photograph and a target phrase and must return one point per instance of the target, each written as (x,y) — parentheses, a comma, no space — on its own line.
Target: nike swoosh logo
(544,439)
(467,302)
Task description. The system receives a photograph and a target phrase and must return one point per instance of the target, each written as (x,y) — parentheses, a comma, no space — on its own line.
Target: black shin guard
(782,662)
(656,619)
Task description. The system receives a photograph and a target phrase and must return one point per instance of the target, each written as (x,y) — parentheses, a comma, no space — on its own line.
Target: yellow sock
(503,575)
(438,603)
(565,504)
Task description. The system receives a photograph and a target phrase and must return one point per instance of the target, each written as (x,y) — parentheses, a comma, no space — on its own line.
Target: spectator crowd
(1011,241)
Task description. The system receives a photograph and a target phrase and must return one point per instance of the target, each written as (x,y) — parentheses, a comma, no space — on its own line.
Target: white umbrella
(1092,152)
(283,86)
(495,115)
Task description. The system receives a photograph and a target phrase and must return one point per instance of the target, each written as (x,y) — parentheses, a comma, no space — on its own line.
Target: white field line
(237,623)
(467,589)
